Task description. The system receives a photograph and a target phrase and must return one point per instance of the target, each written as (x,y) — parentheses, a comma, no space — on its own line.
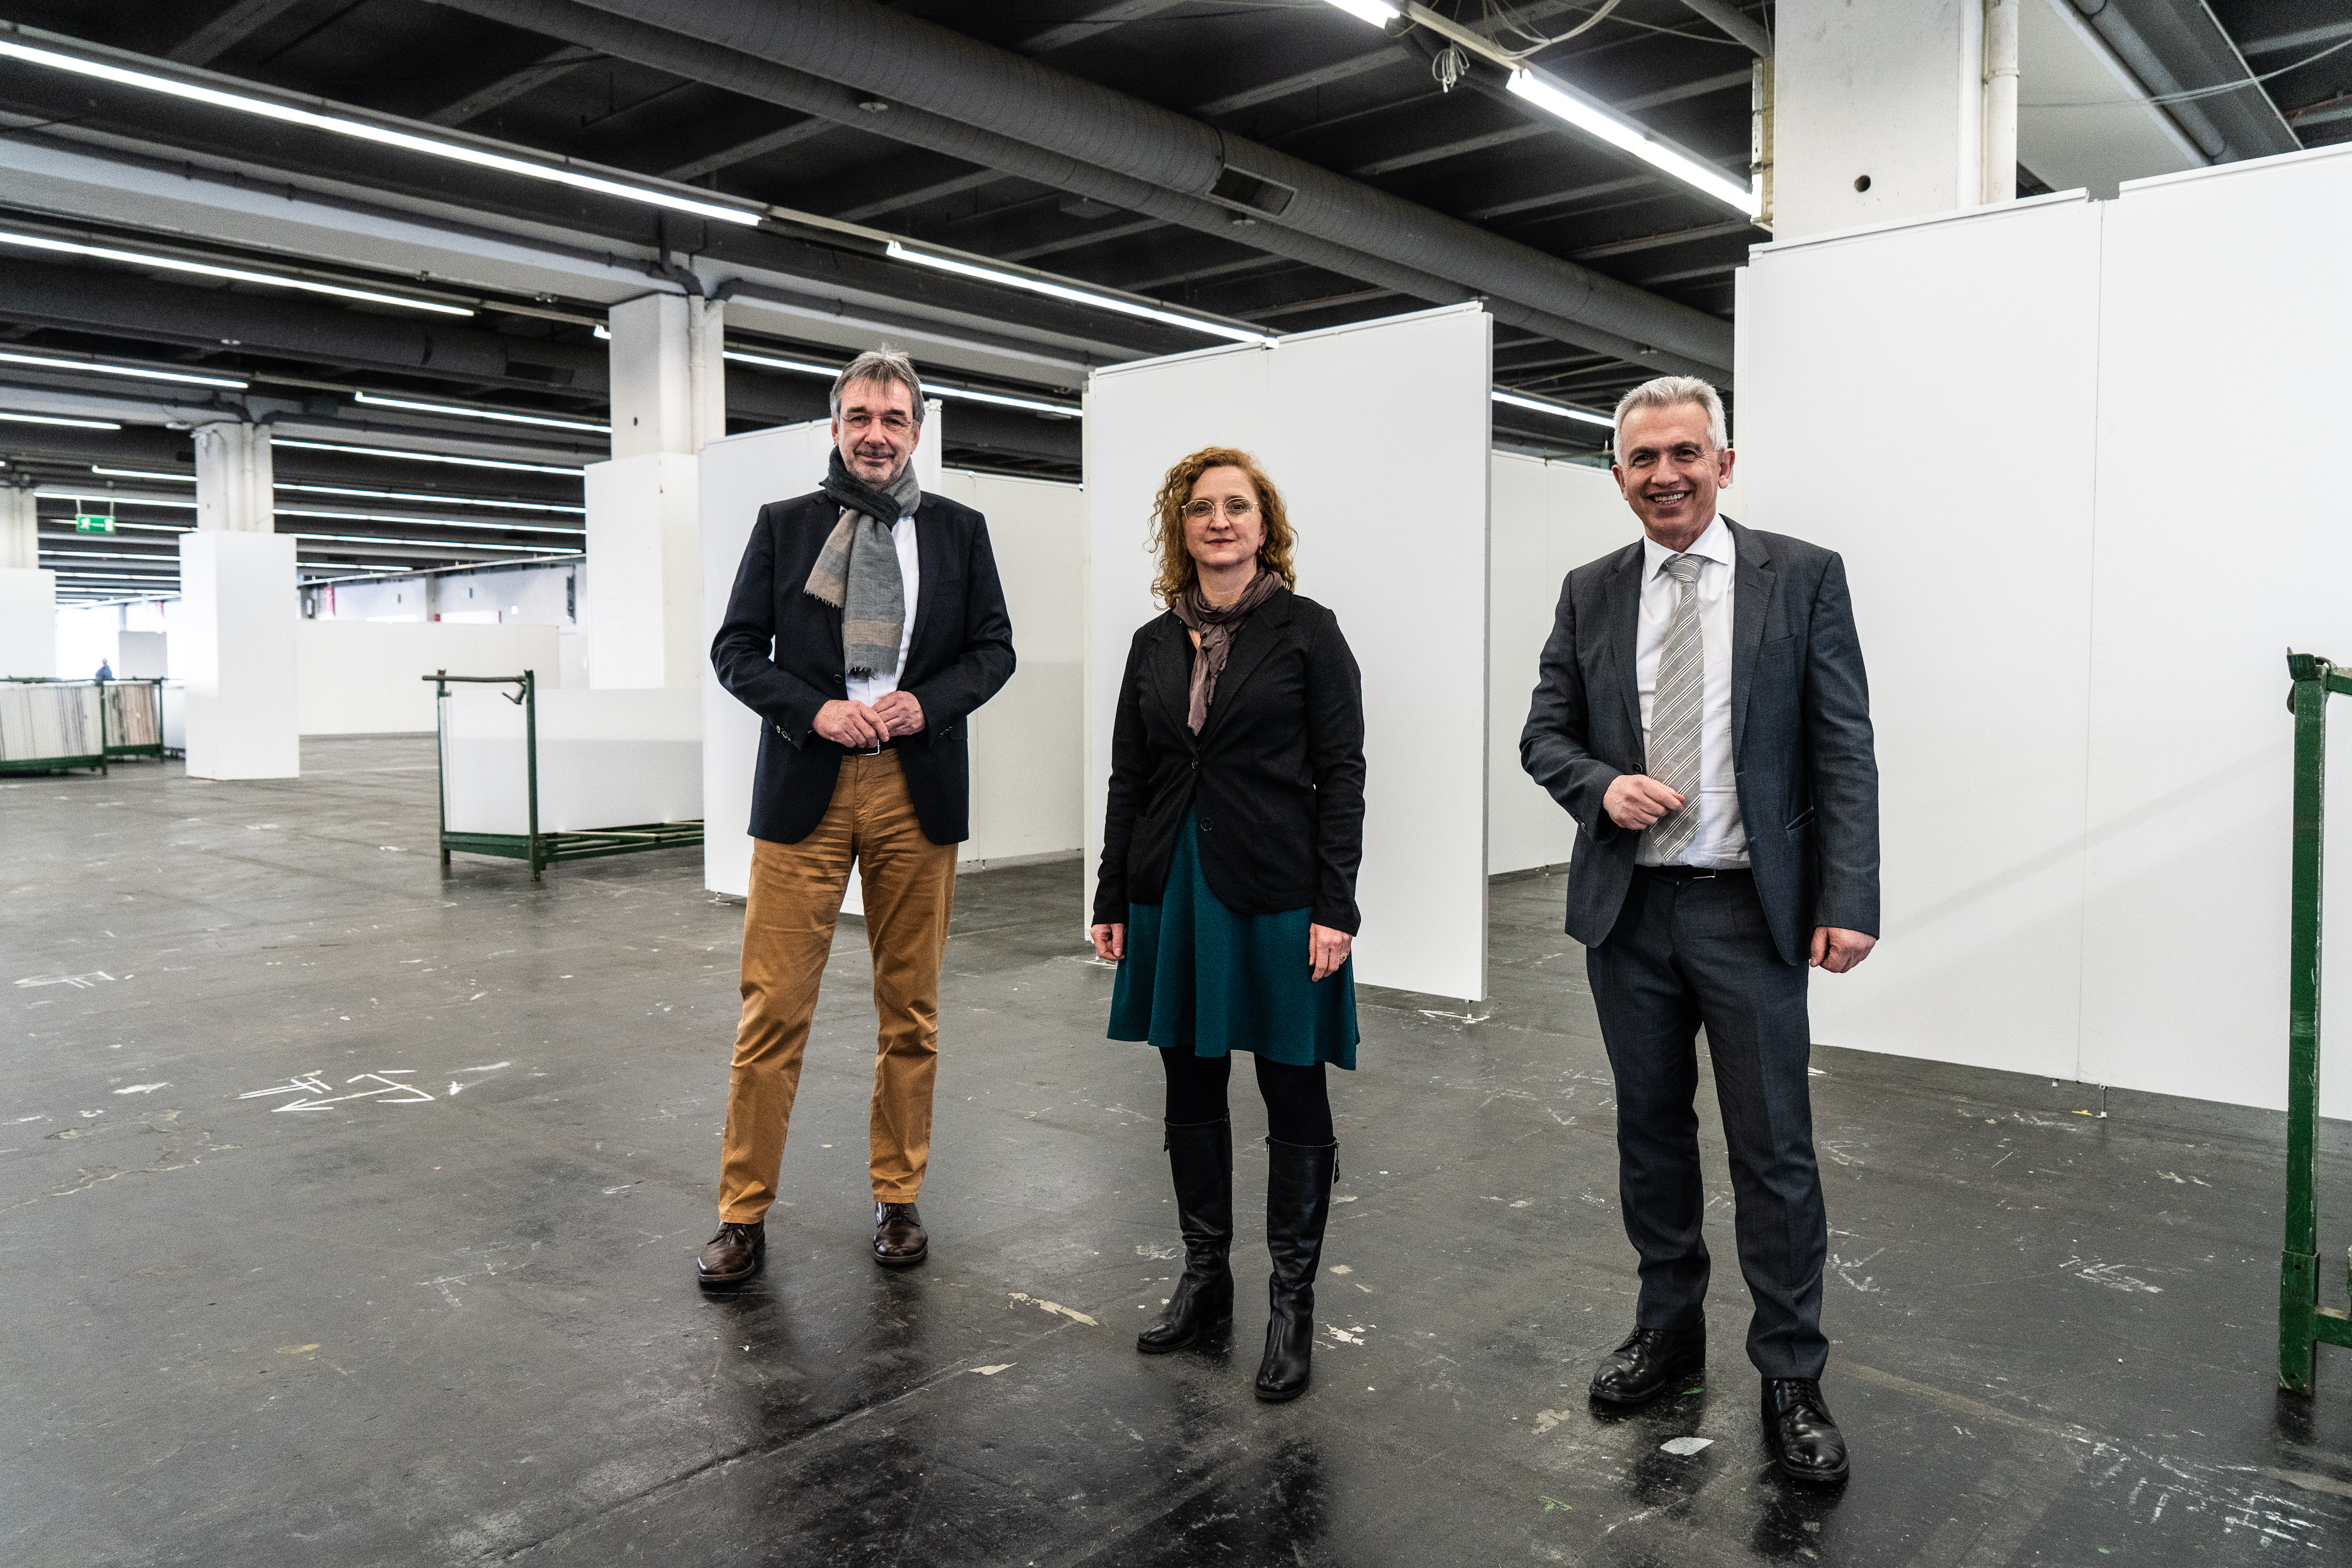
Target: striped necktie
(1675,711)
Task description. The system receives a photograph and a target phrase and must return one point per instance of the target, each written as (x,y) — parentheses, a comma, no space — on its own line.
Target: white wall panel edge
(2239,170)
(1926,221)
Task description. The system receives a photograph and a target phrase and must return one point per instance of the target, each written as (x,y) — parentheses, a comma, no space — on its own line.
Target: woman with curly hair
(1227,890)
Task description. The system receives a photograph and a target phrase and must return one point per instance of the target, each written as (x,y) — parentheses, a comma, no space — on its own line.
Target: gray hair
(1674,391)
(886,365)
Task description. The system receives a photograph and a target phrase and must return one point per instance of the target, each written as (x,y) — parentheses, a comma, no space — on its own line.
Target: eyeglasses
(1236,507)
(893,420)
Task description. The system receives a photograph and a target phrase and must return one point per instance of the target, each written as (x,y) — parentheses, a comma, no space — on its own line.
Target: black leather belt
(1682,873)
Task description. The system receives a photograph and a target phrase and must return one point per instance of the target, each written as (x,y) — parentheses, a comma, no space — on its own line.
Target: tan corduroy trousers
(796,890)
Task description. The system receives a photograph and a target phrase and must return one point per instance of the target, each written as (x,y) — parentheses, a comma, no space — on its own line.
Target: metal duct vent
(1251,193)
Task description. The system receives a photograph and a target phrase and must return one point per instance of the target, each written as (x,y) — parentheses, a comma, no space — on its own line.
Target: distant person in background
(866,624)
(1703,716)
(105,670)
(1227,890)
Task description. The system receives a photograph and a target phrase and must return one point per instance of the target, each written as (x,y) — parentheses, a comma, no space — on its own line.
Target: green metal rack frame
(541,850)
(95,761)
(2304,1323)
(146,749)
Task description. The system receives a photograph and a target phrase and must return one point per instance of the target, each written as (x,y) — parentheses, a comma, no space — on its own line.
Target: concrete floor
(450,1317)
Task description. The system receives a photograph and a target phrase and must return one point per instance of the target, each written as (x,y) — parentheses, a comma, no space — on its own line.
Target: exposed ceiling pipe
(2141,56)
(1733,23)
(988,106)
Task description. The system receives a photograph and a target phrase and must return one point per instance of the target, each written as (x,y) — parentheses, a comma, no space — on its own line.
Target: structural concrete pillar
(238,613)
(643,618)
(1880,111)
(28,595)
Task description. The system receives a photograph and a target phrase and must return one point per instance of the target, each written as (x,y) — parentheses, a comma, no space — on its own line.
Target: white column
(234,478)
(2000,115)
(238,610)
(643,609)
(28,595)
(1878,112)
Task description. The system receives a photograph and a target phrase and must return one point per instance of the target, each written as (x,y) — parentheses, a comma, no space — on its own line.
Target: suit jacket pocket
(1804,820)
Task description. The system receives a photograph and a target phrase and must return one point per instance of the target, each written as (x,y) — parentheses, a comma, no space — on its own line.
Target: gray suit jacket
(1800,741)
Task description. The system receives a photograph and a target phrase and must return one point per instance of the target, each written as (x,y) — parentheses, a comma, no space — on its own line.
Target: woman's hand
(1325,950)
(1110,942)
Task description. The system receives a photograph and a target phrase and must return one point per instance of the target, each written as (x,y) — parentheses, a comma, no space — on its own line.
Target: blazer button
(1206,824)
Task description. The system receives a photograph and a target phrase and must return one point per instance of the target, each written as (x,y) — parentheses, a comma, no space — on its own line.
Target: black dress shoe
(732,1256)
(1806,1443)
(1650,1362)
(899,1240)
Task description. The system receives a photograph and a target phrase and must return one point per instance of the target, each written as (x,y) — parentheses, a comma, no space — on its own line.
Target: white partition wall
(237,657)
(2032,432)
(1549,519)
(367,677)
(1377,434)
(739,476)
(607,759)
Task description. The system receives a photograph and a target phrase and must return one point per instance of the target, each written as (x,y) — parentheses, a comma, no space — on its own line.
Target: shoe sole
(1824,1478)
(1665,1385)
(1280,1396)
(902,1262)
(726,1281)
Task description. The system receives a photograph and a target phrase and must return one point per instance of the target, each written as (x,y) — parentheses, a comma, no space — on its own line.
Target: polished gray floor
(347,1211)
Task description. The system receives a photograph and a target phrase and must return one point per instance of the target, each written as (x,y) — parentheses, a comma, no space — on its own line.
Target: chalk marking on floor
(1070,1313)
(79,982)
(142,1088)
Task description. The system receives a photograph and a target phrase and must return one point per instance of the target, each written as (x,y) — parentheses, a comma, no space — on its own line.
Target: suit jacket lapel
(1169,672)
(1251,645)
(1752,579)
(1621,632)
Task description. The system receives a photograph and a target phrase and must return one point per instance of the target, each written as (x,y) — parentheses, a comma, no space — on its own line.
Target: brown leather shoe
(732,1256)
(899,1240)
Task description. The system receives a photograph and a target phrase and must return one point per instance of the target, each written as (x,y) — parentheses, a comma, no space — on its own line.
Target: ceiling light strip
(377,399)
(1597,119)
(407,456)
(137,372)
(362,131)
(1005,399)
(1558,411)
(60,419)
(1075,296)
(229,274)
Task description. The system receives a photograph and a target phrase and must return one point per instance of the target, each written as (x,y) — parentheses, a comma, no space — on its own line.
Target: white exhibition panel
(2212,562)
(368,677)
(2074,629)
(28,618)
(607,759)
(1379,435)
(237,655)
(739,474)
(1549,518)
(640,532)
(1028,743)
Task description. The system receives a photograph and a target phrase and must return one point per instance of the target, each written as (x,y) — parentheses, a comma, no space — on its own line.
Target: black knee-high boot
(1201,1159)
(1299,1178)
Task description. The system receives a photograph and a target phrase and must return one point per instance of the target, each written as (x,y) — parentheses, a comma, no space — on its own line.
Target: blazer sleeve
(1335,753)
(742,652)
(980,671)
(1841,760)
(1130,785)
(1552,747)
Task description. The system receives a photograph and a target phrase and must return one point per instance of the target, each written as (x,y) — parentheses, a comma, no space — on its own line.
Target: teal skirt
(1199,978)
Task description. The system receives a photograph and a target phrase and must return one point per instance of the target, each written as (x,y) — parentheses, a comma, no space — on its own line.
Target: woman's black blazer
(1277,772)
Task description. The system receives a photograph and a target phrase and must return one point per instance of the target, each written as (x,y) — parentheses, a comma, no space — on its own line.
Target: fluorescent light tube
(451,549)
(1378,13)
(141,474)
(429,498)
(424,456)
(59,419)
(773,363)
(1075,296)
(377,399)
(1557,410)
(482,523)
(57,494)
(134,371)
(363,131)
(1597,119)
(233,274)
(1038,405)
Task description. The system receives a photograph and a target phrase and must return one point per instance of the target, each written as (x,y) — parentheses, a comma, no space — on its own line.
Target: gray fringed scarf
(1217,628)
(856,572)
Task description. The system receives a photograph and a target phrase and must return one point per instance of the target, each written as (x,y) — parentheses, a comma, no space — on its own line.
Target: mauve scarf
(856,571)
(1217,628)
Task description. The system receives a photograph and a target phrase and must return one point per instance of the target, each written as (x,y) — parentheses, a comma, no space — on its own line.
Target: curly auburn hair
(1178,569)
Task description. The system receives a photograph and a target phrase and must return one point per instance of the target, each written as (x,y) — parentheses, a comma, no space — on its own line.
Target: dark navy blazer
(1801,754)
(779,653)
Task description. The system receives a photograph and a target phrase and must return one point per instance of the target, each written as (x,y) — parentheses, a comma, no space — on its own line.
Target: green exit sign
(92,523)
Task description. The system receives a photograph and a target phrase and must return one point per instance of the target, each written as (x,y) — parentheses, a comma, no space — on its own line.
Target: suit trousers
(788,923)
(1686,953)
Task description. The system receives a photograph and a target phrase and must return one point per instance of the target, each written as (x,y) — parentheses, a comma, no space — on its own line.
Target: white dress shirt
(1722,843)
(871,689)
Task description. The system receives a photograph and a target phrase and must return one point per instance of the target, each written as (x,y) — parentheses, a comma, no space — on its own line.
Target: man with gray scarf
(866,624)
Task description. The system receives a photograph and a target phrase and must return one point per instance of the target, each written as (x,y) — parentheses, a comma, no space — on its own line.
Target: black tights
(1298,1110)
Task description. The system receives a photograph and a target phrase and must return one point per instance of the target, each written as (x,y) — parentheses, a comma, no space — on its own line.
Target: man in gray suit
(1703,716)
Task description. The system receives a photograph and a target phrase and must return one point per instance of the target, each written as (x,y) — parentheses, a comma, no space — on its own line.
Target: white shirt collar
(1714,544)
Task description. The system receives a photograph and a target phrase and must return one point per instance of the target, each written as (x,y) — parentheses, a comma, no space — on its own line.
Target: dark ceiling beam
(513,85)
(1304,81)
(954,185)
(1734,23)
(1092,25)
(1714,269)
(758,146)
(1508,134)
(1558,198)
(1327,302)
(240,21)
(1080,241)
(2302,38)
(1658,241)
